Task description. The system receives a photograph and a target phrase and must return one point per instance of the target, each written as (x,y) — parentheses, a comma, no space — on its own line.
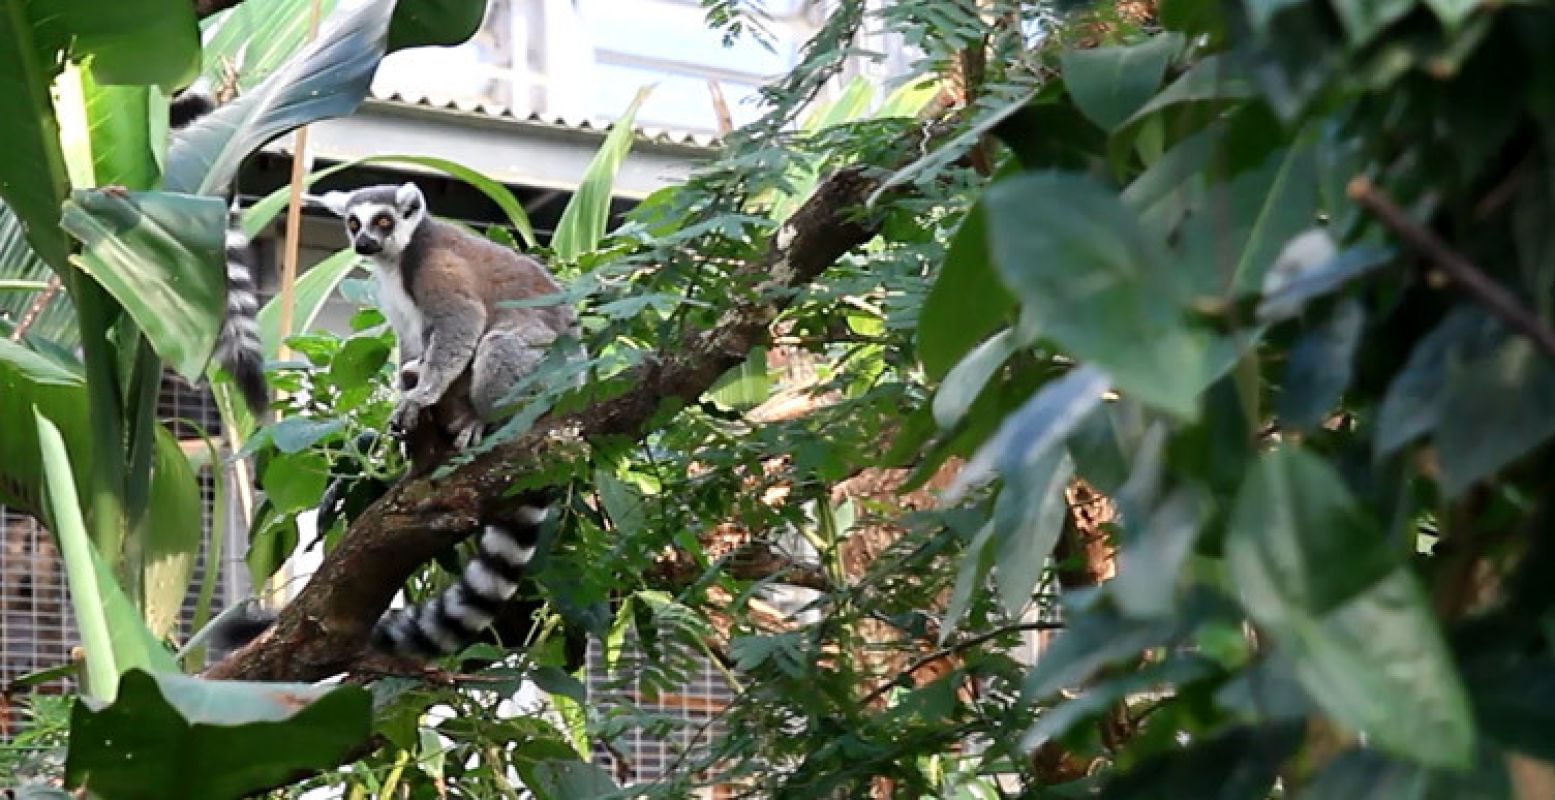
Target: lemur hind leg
(503,357)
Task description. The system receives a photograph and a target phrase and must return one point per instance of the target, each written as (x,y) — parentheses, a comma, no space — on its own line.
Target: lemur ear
(408,198)
(336,202)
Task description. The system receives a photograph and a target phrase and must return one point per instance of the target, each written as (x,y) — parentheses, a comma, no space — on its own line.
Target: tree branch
(1473,280)
(324,630)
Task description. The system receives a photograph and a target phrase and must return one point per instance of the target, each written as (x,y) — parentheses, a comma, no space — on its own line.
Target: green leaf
(1412,406)
(1309,268)
(966,381)
(160,256)
(970,578)
(1110,83)
(102,671)
(296,434)
(1152,561)
(1093,638)
(1124,316)
(1453,13)
(571,780)
(435,22)
(1238,764)
(311,292)
(1040,425)
(744,387)
(1514,700)
(1213,80)
(259,36)
(1027,518)
(1175,672)
(27,381)
(967,301)
(360,360)
(583,221)
(622,502)
(1232,241)
(172,531)
(130,42)
(1368,773)
(1364,19)
(1320,577)
(1494,409)
(327,78)
(106,132)
(1318,367)
(173,736)
(295,481)
(257,216)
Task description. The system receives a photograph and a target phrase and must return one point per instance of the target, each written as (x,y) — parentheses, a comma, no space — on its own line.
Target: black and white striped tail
(237,345)
(447,623)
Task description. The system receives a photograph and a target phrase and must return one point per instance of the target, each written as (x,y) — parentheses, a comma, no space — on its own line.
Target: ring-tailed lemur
(462,350)
(238,350)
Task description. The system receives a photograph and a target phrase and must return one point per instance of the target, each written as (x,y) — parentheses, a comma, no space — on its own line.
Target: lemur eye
(353,225)
(383,222)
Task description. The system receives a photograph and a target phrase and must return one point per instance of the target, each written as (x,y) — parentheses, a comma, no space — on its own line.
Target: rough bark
(324,630)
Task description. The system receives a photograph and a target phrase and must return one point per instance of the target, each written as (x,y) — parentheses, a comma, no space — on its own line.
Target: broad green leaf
(1175,672)
(583,221)
(1309,268)
(29,380)
(1319,576)
(967,301)
(1027,519)
(106,131)
(296,434)
(257,37)
(970,578)
(743,387)
(173,531)
(1110,83)
(1261,13)
(571,780)
(1039,426)
(257,216)
(1368,773)
(1364,19)
(1453,13)
(966,381)
(622,502)
(160,256)
(1241,229)
(434,22)
(1092,638)
(1494,409)
(102,670)
(1213,80)
(172,736)
(295,481)
(310,293)
(1124,315)
(1318,367)
(1237,764)
(327,78)
(1151,563)
(1413,404)
(360,359)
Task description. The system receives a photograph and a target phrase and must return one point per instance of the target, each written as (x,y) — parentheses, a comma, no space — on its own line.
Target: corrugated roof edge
(644,132)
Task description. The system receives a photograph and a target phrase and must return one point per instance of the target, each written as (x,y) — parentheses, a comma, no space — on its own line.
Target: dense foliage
(1228,324)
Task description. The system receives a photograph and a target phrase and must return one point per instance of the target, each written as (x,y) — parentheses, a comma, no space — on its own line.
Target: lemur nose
(367,246)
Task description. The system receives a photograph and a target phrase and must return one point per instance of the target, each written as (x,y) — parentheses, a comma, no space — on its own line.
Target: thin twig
(1459,269)
(958,647)
(36,309)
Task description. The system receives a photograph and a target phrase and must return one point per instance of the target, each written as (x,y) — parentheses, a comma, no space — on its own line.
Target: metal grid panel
(641,754)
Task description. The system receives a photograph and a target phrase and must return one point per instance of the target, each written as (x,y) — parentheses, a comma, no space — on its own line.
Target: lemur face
(379,219)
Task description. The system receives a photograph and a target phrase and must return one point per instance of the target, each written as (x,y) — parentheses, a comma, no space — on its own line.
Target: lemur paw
(405,416)
(114,190)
